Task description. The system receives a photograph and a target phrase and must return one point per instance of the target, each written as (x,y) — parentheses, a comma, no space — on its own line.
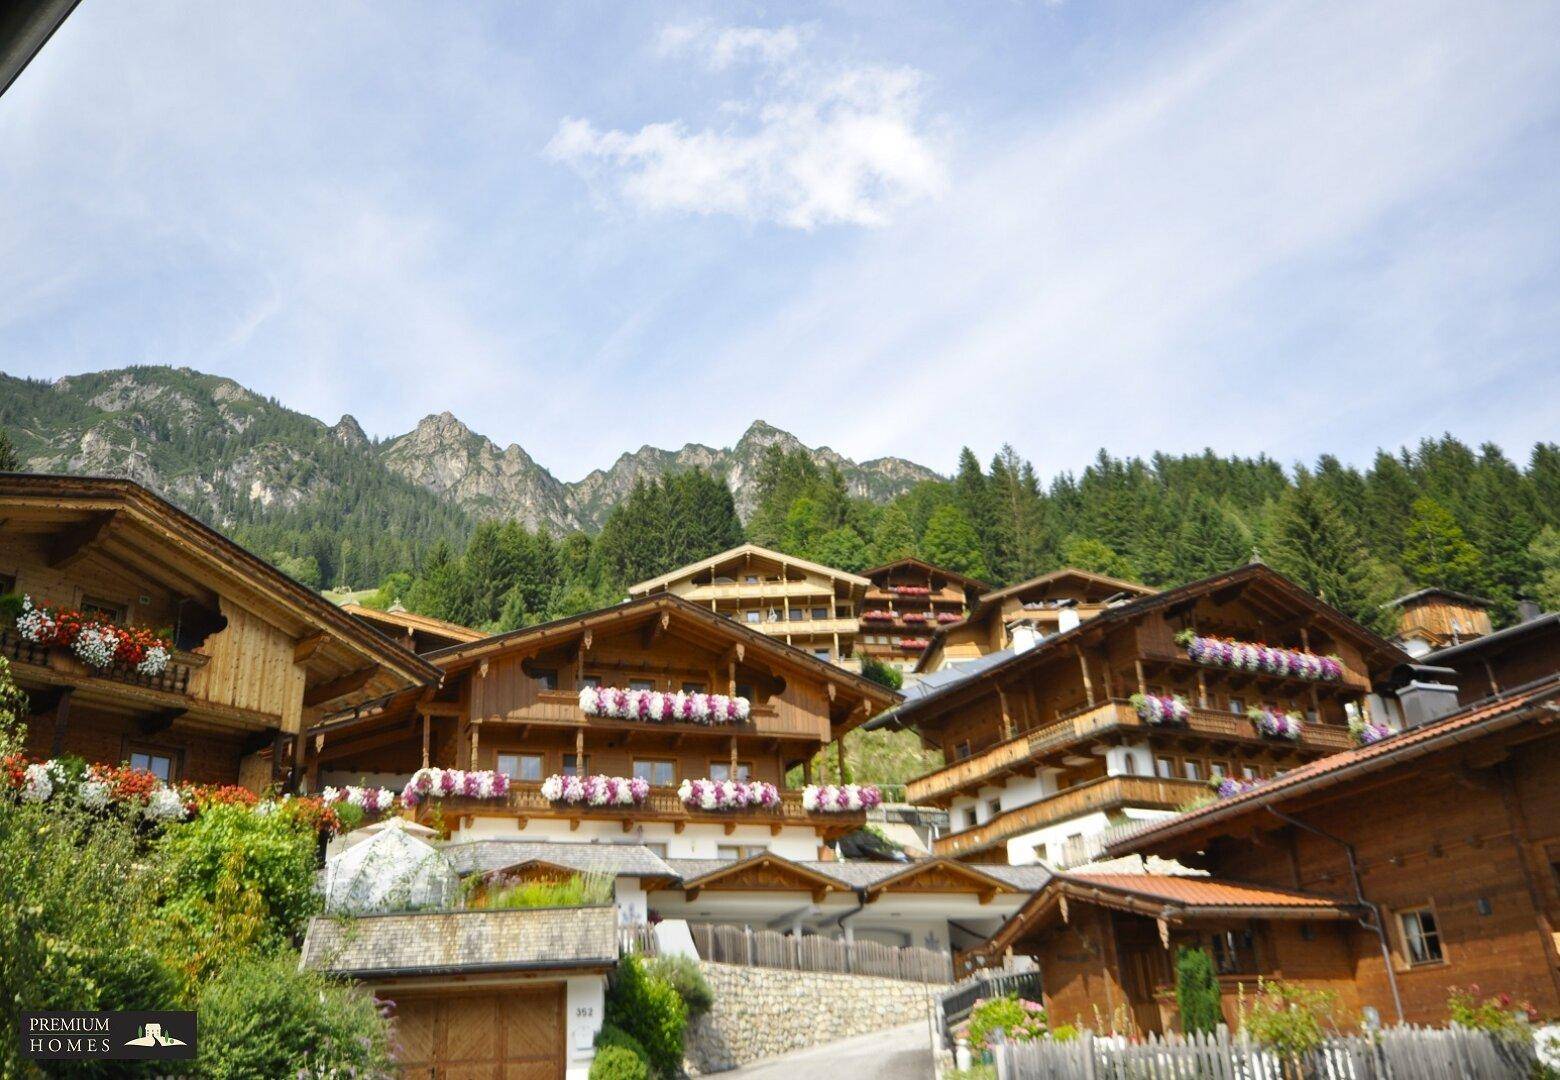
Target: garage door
(511,1035)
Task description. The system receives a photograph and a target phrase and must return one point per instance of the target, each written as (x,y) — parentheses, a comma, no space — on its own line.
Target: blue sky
(889,227)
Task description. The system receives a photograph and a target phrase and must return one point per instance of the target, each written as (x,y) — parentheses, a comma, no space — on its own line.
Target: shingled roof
(618,860)
(463,942)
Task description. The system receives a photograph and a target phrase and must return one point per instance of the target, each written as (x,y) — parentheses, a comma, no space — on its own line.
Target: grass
(578,890)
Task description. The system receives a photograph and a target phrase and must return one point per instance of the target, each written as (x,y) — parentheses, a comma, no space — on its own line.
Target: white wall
(1022,848)
(584,1010)
(698,841)
(633,903)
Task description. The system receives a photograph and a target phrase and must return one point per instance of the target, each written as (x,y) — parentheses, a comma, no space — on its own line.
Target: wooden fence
(810,952)
(1402,1053)
(957,1003)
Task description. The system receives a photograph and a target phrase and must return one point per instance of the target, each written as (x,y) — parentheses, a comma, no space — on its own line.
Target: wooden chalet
(1021,614)
(1503,659)
(1435,618)
(906,603)
(416,633)
(1387,874)
(1043,746)
(802,603)
(255,656)
(512,703)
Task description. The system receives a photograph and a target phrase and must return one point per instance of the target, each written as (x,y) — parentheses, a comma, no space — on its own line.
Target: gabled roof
(1048,647)
(1450,594)
(737,552)
(1492,643)
(764,870)
(618,860)
(1480,718)
(922,564)
(122,504)
(1069,573)
(458,657)
(926,874)
(411,621)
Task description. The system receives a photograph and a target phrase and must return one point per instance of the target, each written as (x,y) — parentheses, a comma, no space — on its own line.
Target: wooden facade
(815,608)
(1435,618)
(512,703)
(1444,838)
(415,633)
(1039,607)
(256,657)
(1030,743)
(907,602)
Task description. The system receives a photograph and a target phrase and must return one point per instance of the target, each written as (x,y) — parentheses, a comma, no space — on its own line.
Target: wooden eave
(764,872)
(975,880)
(683,573)
(123,521)
(921,564)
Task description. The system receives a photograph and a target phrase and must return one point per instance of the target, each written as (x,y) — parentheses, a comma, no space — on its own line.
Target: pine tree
(1544,473)
(10,460)
(1315,546)
(892,537)
(1209,541)
(951,542)
(1390,491)
(1503,522)
(972,493)
(1197,991)
(1095,556)
(842,547)
(1435,551)
(1545,553)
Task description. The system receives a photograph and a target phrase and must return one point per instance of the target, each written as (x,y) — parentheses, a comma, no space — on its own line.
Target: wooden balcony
(1353,682)
(1114,717)
(525,801)
(562,708)
(763,590)
(1106,794)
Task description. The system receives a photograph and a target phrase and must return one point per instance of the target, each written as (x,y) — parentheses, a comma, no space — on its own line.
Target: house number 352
(583,1012)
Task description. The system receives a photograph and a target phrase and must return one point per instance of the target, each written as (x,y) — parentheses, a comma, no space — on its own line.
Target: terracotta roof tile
(1201,891)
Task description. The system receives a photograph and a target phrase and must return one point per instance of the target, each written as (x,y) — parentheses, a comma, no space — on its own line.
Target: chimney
(1428,695)
(1066,619)
(1024,636)
(1528,610)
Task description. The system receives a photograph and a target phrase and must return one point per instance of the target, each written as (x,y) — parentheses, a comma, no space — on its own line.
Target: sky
(892,228)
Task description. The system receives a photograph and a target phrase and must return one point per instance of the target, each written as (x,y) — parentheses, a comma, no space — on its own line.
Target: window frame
(174,757)
(1189,765)
(670,763)
(744,770)
(521,756)
(1436,936)
(546,678)
(98,608)
(581,767)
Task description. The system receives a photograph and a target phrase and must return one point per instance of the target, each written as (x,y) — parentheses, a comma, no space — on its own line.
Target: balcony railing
(1094,720)
(1108,793)
(525,800)
(174,679)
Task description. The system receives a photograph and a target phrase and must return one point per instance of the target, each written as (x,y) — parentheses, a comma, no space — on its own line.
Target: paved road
(902,1053)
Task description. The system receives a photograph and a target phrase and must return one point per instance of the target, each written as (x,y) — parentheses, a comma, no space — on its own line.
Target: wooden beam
(425,735)
(656,628)
(61,717)
(75,544)
(160,721)
(308,646)
(1088,683)
(340,687)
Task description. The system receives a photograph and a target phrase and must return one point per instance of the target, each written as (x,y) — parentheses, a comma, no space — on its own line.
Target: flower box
(948,616)
(1226,786)
(913,643)
(877,615)
(658,707)
(1256,657)
(435,783)
(98,644)
(840,798)
(911,590)
(1366,734)
(728,794)
(372,800)
(1161,708)
(1274,723)
(596,790)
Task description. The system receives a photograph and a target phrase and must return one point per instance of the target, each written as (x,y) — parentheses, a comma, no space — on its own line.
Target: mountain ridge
(213,446)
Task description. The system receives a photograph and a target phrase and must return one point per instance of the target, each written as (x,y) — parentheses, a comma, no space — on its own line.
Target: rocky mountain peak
(349,432)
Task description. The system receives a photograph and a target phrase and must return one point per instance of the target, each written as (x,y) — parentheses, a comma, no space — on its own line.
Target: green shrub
(577,890)
(262,1018)
(881,673)
(1289,1018)
(612,1035)
(234,880)
(684,974)
(1197,991)
(650,1009)
(618,1063)
(1018,1020)
(1064,1033)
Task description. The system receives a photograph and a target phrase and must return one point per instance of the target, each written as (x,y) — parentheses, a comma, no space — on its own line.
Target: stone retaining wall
(760,1012)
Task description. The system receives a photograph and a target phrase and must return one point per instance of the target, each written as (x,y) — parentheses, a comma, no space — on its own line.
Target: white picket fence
(810,952)
(1401,1053)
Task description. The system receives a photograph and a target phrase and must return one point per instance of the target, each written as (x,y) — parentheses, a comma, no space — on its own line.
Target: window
(575,765)
(969,818)
(641,684)
(1421,936)
(721,770)
(1238,706)
(106,610)
(1248,773)
(157,762)
(1129,765)
(659,773)
(1233,952)
(1164,768)
(1218,770)
(750,579)
(773,615)
(693,688)
(739,851)
(7,583)
(591,681)
(658,850)
(1191,768)
(751,616)
(520,766)
(797,614)
(993,807)
(746,690)
(961,751)
(822,653)
(547,680)
(820,613)
(1311,717)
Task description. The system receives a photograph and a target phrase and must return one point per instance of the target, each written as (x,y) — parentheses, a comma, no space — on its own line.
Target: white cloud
(814,146)
(722,46)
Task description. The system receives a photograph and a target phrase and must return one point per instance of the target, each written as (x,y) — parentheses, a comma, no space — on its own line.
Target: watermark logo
(109,1036)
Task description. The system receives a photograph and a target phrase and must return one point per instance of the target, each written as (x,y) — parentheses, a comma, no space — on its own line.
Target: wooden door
(508,1035)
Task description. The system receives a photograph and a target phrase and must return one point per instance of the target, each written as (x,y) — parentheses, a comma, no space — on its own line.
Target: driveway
(901,1053)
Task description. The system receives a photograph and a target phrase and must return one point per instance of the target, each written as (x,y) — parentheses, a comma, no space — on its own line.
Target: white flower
(94,794)
(155,662)
(552,788)
(590,701)
(95,645)
(165,805)
(810,797)
(37,784)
